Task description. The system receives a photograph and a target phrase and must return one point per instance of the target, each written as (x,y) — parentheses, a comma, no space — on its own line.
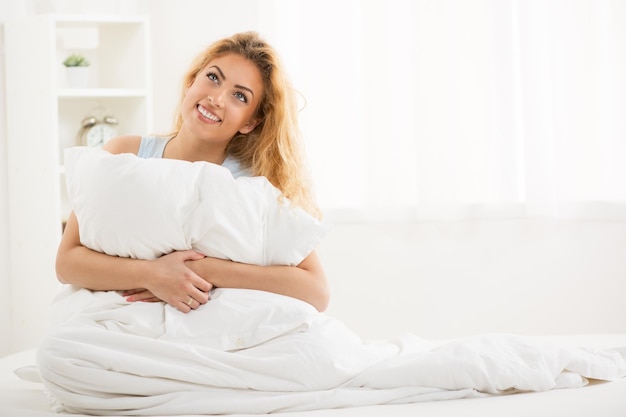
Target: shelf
(81,19)
(75,93)
(119,82)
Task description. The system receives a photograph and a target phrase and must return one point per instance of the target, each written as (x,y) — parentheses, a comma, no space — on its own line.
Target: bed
(89,325)
(606,399)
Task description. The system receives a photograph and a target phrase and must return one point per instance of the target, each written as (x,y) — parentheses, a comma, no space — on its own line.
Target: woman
(237,109)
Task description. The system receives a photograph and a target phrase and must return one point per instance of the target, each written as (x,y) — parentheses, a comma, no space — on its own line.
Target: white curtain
(453,109)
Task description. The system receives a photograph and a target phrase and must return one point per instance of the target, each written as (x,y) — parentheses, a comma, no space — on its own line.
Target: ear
(249,126)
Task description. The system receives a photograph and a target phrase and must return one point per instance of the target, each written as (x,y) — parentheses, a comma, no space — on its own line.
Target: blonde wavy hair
(274,148)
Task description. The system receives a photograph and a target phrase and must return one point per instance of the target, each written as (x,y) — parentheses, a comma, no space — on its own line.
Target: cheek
(189,100)
(193,90)
(249,117)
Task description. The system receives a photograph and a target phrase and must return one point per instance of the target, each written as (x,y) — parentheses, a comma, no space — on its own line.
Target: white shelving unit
(43,118)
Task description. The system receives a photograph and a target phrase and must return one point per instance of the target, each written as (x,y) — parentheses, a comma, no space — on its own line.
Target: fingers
(197,288)
(191,304)
(194,298)
(201,285)
(140,295)
(191,255)
(128,293)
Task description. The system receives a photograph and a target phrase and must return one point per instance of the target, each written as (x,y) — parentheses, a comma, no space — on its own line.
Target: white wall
(450,279)
(8,10)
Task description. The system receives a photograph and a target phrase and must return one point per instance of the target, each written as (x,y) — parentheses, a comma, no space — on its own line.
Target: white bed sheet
(602,399)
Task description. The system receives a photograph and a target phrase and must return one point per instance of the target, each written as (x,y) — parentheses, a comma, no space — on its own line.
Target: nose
(216,97)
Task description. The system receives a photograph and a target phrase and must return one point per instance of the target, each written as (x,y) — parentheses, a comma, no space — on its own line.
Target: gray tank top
(153,147)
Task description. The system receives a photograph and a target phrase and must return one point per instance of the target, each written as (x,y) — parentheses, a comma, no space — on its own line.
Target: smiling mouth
(207,114)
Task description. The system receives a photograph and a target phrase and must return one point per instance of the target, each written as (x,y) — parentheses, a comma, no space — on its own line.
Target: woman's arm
(306,282)
(175,277)
(168,278)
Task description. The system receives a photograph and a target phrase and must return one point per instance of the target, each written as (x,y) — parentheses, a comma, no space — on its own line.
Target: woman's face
(223,99)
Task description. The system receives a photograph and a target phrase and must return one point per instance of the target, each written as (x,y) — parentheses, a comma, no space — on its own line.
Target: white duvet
(249,351)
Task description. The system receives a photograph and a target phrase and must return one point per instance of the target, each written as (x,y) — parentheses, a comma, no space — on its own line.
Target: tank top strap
(152,147)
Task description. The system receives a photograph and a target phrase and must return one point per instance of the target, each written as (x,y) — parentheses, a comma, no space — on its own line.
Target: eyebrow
(224,78)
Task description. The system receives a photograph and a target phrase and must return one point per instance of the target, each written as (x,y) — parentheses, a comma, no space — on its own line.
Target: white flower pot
(77,77)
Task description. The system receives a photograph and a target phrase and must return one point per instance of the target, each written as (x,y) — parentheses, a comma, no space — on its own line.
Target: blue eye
(213,77)
(241,97)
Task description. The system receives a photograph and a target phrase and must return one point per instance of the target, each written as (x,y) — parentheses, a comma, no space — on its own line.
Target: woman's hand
(166,278)
(172,281)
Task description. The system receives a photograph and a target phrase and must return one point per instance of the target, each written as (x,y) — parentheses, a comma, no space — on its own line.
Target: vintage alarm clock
(95,132)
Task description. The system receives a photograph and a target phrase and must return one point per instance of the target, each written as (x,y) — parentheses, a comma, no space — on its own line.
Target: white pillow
(143,208)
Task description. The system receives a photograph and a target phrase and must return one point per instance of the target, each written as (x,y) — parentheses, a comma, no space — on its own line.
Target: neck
(178,148)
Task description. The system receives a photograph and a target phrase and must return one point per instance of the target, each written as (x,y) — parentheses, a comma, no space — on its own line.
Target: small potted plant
(77,67)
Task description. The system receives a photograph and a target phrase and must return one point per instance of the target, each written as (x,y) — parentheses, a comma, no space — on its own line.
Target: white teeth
(208,115)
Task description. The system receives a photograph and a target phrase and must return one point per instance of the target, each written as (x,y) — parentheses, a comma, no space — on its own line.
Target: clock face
(97,135)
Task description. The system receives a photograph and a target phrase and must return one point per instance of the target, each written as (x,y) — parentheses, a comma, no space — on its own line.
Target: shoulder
(123,144)
(235,167)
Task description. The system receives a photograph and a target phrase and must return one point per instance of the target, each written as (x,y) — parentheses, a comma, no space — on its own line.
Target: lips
(207,114)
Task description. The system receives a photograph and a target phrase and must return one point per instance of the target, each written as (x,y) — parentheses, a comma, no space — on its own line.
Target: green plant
(76,60)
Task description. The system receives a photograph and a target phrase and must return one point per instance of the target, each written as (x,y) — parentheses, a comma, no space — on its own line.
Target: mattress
(603,399)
